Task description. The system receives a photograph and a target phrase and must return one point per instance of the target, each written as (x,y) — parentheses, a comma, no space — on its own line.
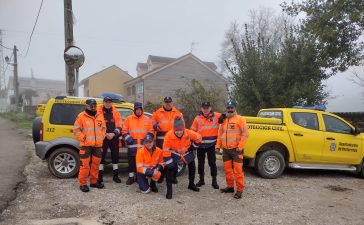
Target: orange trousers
(233,164)
(88,154)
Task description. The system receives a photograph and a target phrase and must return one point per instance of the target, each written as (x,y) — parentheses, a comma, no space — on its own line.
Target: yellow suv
(54,139)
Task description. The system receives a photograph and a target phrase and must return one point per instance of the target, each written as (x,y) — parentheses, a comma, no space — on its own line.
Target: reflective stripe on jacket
(208,127)
(172,143)
(164,119)
(90,130)
(233,133)
(145,160)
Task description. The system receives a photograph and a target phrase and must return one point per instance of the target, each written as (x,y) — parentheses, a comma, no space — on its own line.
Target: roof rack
(314,107)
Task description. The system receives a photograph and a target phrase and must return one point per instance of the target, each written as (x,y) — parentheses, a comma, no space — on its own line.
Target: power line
(5,47)
(35,24)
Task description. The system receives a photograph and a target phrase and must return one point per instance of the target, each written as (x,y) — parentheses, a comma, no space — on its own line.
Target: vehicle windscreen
(271,114)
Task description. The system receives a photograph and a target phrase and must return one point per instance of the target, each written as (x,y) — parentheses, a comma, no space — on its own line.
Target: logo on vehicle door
(332,147)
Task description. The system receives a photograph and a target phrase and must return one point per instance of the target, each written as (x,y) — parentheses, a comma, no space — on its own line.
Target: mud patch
(337,188)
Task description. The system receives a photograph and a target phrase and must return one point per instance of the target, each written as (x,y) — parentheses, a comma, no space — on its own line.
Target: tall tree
(190,99)
(336,27)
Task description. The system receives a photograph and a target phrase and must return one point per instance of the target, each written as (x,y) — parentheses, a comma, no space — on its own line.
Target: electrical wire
(35,24)
(5,47)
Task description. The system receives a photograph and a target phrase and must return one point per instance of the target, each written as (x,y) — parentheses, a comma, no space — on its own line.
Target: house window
(133,90)
(139,88)
(129,91)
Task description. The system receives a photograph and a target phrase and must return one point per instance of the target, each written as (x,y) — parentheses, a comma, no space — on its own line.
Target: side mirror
(356,131)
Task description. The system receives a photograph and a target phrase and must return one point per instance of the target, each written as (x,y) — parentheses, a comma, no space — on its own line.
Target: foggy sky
(123,33)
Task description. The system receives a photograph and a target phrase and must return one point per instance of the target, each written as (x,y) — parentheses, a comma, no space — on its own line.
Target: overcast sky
(123,33)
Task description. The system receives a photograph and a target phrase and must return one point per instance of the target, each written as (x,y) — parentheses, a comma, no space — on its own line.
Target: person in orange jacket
(90,129)
(113,122)
(179,144)
(163,122)
(149,163)
(206,124)
(232,136)
(135,128)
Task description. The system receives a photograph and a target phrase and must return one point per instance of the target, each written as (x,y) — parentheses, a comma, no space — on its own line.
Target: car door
(341,145)
(306,136)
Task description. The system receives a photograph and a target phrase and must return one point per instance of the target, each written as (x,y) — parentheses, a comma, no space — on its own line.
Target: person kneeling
(149,163)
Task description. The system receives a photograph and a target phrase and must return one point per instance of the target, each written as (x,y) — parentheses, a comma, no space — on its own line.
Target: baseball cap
(205,104)
(168,99)
(138,105)
(149,138)
(107,98)
(230,103)
(90,101)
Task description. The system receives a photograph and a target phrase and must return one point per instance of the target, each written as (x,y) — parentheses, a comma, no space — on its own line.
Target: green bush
(23,120)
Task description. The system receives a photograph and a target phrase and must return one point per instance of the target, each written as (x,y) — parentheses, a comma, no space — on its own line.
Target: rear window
(271,114)
(65,114)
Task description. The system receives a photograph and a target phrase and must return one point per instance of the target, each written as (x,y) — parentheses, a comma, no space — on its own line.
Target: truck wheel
(64,163)
(36,129)
(270,164)
(362,170)
(181,168)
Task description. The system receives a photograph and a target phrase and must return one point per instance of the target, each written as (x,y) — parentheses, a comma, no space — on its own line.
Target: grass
(22,120)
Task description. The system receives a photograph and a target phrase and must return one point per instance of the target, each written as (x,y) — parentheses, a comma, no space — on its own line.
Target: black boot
(84,188)
(130,181)
(201,182)
(116,176)
(169,191)
(100,179)
(227,190)
(193,187)
(214,183)
(97,185)
(153,186)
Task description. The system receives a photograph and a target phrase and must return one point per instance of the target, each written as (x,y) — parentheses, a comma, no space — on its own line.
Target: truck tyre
(64,163)
(361,173)
(181,168)
(36,129)
(270,164)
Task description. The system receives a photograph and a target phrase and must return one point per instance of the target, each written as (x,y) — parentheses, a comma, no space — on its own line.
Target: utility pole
(16,83)
(2,70)
(68,31)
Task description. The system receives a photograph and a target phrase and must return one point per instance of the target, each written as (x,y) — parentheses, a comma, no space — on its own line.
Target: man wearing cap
(135,128)
(232,136)
(206,124)
(90,130)
(163,119)
(163,122)
(179,144)
(149,163)
(114,122)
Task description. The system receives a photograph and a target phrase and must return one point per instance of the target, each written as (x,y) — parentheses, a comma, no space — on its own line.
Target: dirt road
(13,158)
(299,197)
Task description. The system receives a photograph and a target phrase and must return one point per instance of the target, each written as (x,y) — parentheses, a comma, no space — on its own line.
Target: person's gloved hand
(116,132)
(221,118)
(128,139)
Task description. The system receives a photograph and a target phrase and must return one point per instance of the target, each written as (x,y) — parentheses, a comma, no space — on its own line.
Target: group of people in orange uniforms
(158,145)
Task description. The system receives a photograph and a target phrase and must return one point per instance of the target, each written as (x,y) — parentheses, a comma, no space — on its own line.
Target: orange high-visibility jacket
(208,127)
(172,143)
(136,128)
(117,117)
(90,130)
(233,133)
(164,119)
(145,160)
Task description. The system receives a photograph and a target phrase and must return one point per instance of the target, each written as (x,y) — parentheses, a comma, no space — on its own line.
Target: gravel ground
(298,197)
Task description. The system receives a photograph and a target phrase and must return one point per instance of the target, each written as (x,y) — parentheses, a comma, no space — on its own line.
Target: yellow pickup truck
(302,139)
